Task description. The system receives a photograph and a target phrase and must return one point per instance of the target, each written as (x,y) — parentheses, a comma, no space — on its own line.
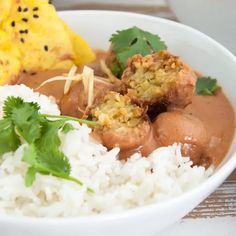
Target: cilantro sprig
(206,86)
(128,42)
(9,141)
(22,120)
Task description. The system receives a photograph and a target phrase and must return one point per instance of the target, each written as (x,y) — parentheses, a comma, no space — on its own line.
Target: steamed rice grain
(118,185)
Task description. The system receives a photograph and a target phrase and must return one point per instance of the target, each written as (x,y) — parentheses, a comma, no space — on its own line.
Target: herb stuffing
(22,121)
(206,86)
(128,42)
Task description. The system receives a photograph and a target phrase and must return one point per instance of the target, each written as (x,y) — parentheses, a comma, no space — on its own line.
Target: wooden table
(222,203)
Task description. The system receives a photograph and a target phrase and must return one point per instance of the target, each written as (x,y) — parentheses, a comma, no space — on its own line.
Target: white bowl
(215,18)
(203,54)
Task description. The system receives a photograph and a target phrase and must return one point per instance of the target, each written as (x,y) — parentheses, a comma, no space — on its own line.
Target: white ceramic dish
(214,17)
(201,52)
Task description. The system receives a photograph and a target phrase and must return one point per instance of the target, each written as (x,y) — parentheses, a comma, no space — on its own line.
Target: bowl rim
(216,179)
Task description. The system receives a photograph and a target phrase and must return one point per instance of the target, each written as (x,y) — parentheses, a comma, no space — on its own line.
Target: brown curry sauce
(218,117)
(215,112)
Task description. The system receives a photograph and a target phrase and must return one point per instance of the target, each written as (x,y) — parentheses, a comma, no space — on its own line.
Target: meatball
(159,78)
(74,103)
(123,124)
(177,127)
(150,143)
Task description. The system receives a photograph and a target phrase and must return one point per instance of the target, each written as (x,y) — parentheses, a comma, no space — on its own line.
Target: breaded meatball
(123,124)
(177,127)
(159,78)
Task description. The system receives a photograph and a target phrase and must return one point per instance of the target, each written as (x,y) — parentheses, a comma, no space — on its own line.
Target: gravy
(218,117)
(54,89)
(215,112)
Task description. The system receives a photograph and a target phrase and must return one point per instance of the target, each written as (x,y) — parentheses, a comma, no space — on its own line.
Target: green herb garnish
(67,128)
(9,140)
(128,42)
(22,120)
(206,86)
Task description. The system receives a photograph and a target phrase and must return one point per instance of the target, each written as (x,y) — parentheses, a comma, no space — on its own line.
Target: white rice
(118,185)
(47,104)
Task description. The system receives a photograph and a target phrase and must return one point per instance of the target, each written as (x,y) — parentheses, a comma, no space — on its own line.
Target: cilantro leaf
(27,121)
(30,156)
(206,86)
(54,161)
(126,39)
(44,155)
(67,128)
(9,141)
(11,103)
(129,42)
(45,167)
(49,155)
(30,176)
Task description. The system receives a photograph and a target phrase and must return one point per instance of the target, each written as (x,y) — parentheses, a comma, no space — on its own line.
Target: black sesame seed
(22,40)
(35,16)
(25,19)
(24,71)
(24,31)
(35,9)
(13,23)
(46,48)
(19,9)
(33,73)
(25,9)
(50,2)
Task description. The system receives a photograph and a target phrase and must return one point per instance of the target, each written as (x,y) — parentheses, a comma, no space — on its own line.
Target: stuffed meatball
(159,78)
(122,123)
